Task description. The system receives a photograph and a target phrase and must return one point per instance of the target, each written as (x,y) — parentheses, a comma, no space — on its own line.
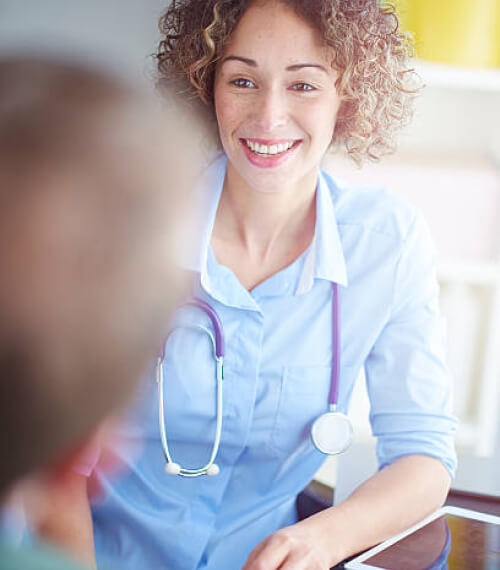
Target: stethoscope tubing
(217,339)
(218,348)
(218,427)
(218,342)
(334,386)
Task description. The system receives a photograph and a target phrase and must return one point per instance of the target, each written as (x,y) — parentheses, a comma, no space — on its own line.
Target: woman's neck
(266,224)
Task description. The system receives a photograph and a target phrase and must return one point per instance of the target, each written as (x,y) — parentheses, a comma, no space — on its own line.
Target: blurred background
(447,164)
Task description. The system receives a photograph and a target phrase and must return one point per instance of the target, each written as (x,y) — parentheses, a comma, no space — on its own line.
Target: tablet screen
(447,543)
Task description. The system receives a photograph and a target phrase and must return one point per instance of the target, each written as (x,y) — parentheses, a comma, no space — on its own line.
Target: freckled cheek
(230,114)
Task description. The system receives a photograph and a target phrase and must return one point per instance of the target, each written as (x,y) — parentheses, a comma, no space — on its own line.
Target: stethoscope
(331,432)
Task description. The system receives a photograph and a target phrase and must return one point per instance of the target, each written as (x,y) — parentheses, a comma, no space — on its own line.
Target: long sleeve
(407,378)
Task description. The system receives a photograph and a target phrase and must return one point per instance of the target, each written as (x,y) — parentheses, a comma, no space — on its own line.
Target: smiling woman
(375,79)
(274,85)
(311,282)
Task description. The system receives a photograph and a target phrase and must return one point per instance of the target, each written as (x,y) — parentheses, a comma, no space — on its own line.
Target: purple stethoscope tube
(216,323)
(334,388)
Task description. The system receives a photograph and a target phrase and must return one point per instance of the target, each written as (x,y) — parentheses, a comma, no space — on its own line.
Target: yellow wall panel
(459,32)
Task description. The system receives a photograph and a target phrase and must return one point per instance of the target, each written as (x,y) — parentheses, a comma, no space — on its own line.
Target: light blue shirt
(277,381)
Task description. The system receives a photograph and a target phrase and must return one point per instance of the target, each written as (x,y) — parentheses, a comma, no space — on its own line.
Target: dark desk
(474,501)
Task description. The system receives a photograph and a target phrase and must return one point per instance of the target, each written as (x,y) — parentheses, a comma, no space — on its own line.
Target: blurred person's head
(88,191)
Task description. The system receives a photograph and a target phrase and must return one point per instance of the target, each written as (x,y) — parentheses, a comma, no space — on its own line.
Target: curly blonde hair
(370,53)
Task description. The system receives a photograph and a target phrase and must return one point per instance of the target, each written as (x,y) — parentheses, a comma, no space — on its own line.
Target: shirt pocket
(304,395)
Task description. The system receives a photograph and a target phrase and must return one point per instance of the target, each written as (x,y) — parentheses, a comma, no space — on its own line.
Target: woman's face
(275,98)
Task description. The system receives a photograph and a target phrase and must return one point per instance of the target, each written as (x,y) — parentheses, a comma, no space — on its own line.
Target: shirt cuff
(400,435)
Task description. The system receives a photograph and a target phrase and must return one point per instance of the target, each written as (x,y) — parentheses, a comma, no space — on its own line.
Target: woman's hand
(396,497)
(297,547)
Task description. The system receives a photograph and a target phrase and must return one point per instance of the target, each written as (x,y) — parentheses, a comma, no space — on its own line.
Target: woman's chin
(266,180)
(270,182)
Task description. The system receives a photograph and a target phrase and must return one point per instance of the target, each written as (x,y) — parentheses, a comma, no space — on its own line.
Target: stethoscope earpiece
(172,468)
(213,470)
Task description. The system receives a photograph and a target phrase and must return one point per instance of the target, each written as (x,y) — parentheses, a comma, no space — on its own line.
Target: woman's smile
(269,153)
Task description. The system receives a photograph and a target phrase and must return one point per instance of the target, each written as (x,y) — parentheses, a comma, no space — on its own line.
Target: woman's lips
(273,156)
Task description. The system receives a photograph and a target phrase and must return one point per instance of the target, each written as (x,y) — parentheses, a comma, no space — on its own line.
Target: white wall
(116,33)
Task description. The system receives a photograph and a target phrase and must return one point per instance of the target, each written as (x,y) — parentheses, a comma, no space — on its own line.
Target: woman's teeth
(268,150)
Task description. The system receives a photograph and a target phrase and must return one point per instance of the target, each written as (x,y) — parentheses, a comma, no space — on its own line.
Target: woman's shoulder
(373,208)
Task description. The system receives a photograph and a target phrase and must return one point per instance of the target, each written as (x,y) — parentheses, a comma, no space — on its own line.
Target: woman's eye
(245,83)
(303,87)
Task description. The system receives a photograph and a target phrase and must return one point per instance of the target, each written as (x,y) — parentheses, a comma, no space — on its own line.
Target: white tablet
(449,539)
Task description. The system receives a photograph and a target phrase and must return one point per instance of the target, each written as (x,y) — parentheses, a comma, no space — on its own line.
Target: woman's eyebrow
(250,62)
(298,66)
(253,63)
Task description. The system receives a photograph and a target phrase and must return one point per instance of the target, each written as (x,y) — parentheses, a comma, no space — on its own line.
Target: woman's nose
(271,110)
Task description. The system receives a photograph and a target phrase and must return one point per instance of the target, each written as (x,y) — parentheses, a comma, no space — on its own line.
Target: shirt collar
(325,259)
(218,282)
(206,200)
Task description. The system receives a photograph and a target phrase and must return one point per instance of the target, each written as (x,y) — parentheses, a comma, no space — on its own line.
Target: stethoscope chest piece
(332,433)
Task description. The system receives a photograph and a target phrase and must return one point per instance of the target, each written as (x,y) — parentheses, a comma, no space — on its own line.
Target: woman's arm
(409,388)
(391,501)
